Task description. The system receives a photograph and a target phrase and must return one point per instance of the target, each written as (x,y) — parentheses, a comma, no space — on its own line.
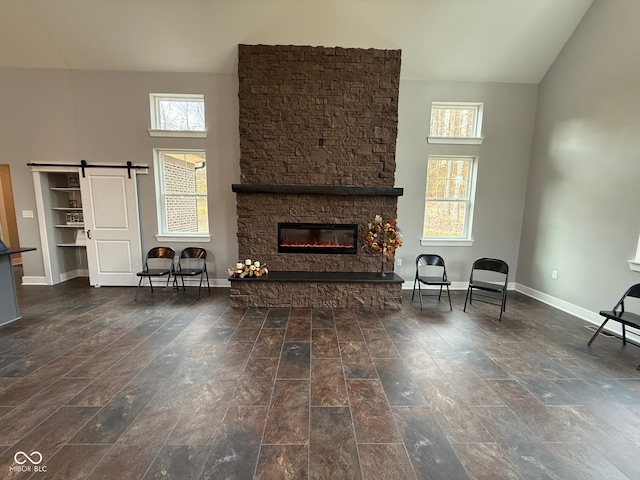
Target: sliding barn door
(110,208)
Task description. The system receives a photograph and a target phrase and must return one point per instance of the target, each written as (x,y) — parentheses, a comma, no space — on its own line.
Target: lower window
(449,195)
(181,181)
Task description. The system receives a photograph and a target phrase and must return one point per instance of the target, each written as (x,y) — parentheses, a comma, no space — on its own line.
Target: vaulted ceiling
(449,40)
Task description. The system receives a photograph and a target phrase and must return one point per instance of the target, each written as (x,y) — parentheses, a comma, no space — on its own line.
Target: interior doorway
(8,224)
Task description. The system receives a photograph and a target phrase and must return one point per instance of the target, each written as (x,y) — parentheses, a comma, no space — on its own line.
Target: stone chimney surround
(318,131)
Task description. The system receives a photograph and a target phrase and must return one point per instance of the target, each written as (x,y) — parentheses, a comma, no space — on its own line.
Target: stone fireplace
(318,133)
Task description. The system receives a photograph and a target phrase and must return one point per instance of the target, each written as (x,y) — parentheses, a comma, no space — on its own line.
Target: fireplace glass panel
(317,238)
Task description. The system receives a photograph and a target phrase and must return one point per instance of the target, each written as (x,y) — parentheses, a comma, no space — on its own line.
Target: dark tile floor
(104,388)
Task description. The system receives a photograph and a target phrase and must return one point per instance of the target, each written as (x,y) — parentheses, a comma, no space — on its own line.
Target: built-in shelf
(70,245)
(70,225)
(67,209)
(317,189)
(65,189)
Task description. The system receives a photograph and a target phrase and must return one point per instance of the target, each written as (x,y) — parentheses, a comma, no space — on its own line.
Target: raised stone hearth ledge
(316,189)
(324,277)
(318,290)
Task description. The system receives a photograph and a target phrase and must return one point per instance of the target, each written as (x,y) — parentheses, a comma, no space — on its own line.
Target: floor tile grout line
(273,387)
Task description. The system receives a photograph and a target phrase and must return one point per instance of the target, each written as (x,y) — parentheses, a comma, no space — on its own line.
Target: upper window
(177,115)
(449,196)
(181,180)
(455,122)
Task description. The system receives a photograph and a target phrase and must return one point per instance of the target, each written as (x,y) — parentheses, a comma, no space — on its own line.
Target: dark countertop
(12,250)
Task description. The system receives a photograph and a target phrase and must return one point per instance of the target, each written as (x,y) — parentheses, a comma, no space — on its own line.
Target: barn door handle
(89,234)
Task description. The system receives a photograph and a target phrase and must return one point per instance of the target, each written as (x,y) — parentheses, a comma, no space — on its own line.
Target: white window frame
(634,265)
(467,239)
(162,234)
(156,131)
(475,139)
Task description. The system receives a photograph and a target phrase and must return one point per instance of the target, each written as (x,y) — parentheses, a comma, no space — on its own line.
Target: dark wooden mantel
(317,189)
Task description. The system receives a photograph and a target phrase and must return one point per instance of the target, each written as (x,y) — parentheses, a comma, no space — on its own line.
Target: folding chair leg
(135,297)
(466,298)
(206,274)
(199,287)
(449,297)
(624,335)
(166,287)
(597,332)
(502,304)
(420,294)
(413,293)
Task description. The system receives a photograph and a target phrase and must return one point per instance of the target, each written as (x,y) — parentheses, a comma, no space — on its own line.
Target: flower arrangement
(248,268)
(382,237)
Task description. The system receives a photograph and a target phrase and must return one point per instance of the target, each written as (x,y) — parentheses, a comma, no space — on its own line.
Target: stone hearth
(318,131)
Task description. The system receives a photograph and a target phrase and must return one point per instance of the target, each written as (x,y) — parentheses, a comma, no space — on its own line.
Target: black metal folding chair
(158,263)
(192,262)
(430,263)
(498,267)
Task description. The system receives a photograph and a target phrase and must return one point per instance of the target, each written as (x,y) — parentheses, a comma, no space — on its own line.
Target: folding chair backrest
(191,256)
(158,253)
(430,264)
(491,264)
(497,270)
(430,260)
(633,292)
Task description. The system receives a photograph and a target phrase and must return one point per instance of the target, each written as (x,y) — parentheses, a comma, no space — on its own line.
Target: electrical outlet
(399,262)
(554,274)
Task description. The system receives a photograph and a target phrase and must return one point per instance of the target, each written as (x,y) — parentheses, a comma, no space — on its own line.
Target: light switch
(27,213)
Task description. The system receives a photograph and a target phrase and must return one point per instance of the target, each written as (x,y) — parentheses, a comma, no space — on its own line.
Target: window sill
(456,141)
(183,238)
(634,265)
(178,133)
(445,242)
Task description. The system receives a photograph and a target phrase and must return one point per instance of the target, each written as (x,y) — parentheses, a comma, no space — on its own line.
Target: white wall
(503,162)
(582,216)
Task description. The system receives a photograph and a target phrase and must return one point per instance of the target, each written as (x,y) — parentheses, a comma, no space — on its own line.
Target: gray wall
(54,116)
(581,215)
(503,162)
(63,116)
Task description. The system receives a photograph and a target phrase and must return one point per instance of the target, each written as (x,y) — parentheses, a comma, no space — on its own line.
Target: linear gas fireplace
(317,238)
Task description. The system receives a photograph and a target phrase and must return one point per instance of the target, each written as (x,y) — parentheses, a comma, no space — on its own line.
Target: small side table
(8,299)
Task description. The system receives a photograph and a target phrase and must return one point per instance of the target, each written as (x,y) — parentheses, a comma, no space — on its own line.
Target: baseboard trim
(587,315)
(408,285)
(73,274)
(34,280)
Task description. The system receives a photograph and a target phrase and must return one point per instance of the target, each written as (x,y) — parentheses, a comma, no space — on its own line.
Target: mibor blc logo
(28,463)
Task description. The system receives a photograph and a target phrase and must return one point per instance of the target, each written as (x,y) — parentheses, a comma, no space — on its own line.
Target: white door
(110,208)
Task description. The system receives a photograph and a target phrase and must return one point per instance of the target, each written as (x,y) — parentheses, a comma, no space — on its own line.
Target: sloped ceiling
(451,40)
